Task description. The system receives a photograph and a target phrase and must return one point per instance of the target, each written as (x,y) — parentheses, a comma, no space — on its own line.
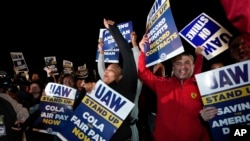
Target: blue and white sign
(205,31)
(164,40)
(227,89)
(110,48)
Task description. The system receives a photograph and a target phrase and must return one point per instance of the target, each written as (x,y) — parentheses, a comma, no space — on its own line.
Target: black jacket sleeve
(128,82)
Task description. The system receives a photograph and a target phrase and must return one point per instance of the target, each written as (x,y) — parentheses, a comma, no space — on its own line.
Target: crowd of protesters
(175,116)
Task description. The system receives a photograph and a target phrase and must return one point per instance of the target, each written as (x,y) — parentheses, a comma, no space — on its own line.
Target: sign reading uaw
(98,116)
(228,89)
(56,107)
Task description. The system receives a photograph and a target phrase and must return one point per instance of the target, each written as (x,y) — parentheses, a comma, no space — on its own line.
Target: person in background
(239,49)
(5,81)
(216,65)
(35,77)
(50,75)
(12,92)
(8,119)
(34,95)
(178,98)
(21,115)
(22,83)
(81,92)
(88,84)
(32,104)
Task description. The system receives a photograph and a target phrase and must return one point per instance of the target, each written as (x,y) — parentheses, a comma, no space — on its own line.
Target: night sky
(69,30)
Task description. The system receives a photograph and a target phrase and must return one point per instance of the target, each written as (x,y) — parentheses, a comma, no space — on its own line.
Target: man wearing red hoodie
(178,99)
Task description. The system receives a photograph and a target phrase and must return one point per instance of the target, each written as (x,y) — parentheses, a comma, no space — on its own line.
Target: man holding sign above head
(178,98)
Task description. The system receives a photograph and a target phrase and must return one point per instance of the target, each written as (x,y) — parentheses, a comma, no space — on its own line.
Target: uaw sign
(98,116)
(227,89)
(205,31)
(56,108)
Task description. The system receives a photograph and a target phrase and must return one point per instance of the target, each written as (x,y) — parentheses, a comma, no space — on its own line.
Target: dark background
(70,30)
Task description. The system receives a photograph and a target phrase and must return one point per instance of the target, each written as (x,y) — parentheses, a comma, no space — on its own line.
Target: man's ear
(172,72)
(120,77)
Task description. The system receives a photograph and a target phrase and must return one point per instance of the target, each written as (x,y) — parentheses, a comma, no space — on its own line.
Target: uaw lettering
(205,31)
(112,100)
(59,90)
(228,89)
(109,98)
(225,78)
(216,43)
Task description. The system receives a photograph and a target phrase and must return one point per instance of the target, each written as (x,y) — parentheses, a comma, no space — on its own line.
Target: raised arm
(199,60)
(129,71)
(100,64)
(135,48)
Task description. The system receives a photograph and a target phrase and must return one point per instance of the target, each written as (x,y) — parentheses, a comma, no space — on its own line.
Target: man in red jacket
(178,99)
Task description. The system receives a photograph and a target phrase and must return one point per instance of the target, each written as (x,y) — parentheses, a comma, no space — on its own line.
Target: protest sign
(19,61)
(99,115)
(228,89)
(56,108)
(110,48)
(82,71)
(164,40)
(205,31)
(68,67)
(50,61)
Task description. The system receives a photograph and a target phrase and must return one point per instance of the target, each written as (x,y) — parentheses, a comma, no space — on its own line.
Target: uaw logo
(163,56)
(193,95)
